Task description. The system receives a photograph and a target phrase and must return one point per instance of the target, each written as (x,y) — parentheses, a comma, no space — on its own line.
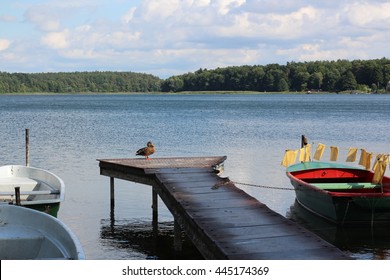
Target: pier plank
(223,221)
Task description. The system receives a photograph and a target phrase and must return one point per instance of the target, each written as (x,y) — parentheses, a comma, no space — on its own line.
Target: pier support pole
(155,210)
(177,238)
(112,194)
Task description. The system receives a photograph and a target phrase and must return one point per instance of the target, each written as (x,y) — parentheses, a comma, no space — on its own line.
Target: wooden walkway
(222,221)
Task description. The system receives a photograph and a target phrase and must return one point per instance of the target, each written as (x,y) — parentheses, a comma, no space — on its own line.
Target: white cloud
(345,47)
(159,9)
(184,35)
(79,53)
(4,44)
(56,40)
(200,3)
(99,39)
(128,16)
(310,52)
(120,38)
(7,18)
(302,22)
(225,6)
(43,18)
(369,15)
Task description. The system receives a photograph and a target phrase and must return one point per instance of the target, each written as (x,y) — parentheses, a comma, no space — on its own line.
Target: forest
(329,76)
(78,82)
(317,76)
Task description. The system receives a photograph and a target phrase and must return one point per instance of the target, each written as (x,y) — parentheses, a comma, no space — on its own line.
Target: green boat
(341,193)
(31,187)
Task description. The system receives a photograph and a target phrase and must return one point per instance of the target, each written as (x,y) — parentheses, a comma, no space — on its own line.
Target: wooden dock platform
(222,221)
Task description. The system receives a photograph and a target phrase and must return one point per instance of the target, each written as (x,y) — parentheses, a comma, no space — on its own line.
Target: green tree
(330,79)
(347,81)
(173,84)
(315,81)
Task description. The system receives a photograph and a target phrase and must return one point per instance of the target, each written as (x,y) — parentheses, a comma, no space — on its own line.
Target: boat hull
(49,208)
(39,188)
(343,202)
(29,234)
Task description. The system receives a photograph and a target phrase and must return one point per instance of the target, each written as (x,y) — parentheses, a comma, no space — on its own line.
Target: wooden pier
(222,221)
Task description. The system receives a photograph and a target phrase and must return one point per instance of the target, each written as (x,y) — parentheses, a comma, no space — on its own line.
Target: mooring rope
(262,186)
(227,181)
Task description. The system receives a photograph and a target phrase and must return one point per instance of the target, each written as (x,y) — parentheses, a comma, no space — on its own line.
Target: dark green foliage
(332,76)
(77,82)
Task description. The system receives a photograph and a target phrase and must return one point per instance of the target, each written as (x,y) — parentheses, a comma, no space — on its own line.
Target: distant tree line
(332,76)
(77,82)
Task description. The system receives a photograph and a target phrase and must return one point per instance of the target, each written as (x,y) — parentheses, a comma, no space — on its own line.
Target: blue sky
(166,38)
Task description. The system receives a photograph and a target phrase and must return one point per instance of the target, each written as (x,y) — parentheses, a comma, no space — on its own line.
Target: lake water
(68,133)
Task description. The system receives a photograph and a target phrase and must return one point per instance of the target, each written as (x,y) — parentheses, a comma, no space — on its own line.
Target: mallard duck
(146,151)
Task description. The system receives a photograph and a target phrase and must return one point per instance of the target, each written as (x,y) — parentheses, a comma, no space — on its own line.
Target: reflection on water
(358,241)
(137,239)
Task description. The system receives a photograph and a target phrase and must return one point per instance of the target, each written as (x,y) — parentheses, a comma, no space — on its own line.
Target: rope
(262,186)
(227,181)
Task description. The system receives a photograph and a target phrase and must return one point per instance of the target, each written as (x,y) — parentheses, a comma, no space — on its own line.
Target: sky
(173,37)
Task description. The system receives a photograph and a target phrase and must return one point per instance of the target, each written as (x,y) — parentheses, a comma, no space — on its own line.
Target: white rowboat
(39,188)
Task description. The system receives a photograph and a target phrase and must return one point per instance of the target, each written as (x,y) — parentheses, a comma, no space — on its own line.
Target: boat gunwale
(61,189)
(338,193)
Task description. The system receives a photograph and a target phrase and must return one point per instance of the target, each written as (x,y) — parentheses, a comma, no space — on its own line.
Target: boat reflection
(360,241)
(137,239)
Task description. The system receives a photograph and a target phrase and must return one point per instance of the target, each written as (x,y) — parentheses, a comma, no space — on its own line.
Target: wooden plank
(180,170)
(234,217)
(157,163)
(214,201)
(185,178)
(273,244)
(193,187)
(226,234)
(298,254)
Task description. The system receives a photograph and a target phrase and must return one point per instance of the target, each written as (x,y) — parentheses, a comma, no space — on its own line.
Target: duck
(146,151)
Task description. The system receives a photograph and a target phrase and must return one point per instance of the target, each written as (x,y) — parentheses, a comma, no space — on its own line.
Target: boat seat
(342,186)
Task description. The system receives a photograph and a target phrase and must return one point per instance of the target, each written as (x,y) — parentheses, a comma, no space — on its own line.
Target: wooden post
(155,210)
(177,238)
(17,195)
(112,194)
(303,141)
(27,147)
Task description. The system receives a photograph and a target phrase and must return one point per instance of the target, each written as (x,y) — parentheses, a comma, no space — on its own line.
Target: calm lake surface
(68,133)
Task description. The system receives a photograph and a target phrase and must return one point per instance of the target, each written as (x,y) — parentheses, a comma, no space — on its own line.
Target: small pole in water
(27,147)
(17,195)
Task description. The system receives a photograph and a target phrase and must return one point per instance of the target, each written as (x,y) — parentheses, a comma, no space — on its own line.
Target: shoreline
(187,93)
